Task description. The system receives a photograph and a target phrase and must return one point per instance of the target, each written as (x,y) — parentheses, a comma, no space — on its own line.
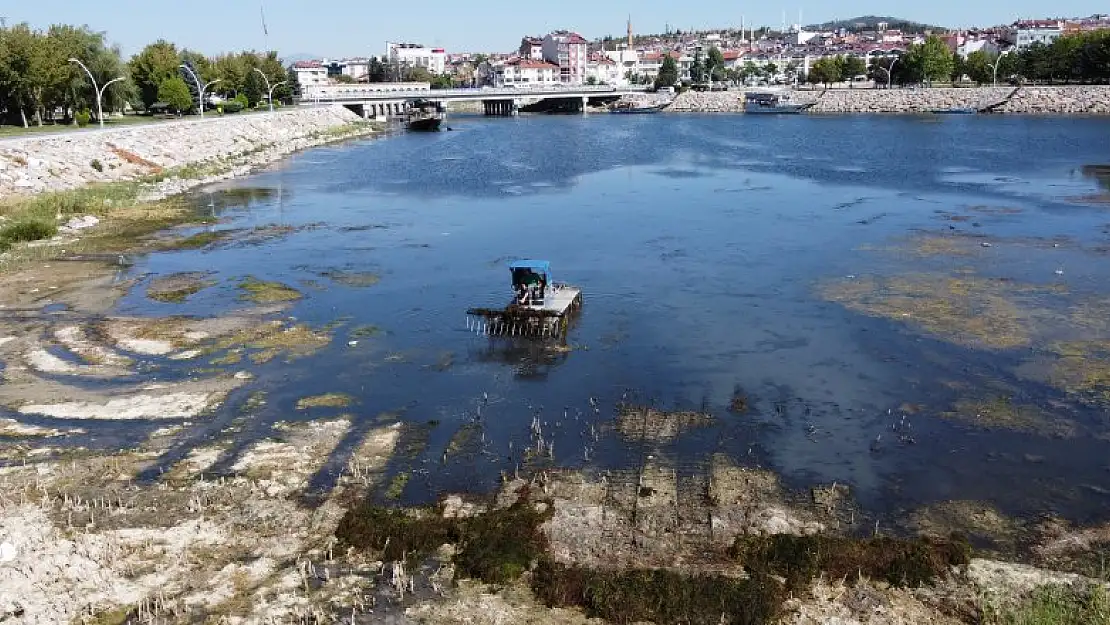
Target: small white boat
(773,102)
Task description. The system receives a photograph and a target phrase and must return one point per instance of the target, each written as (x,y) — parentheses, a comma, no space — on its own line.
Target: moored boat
(773,102)
(955,111)
(424,115)
(631,108)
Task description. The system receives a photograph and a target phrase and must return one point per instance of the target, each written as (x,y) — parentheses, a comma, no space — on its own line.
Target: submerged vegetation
(327,400)
(261,292)
(1003,413)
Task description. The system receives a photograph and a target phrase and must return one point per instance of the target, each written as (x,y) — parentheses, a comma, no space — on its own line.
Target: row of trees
(39,83)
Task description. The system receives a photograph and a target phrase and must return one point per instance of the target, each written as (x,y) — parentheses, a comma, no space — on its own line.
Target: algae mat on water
(966,310)
(262,292)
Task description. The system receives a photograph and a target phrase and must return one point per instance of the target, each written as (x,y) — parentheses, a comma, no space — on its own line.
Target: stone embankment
(231,145)
(1066,100)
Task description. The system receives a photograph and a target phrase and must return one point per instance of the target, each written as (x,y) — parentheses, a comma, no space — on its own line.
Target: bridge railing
(353,94)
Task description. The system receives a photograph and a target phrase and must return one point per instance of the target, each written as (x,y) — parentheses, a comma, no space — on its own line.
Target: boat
(631,108)
(773,102)
(540,307)
(424,115)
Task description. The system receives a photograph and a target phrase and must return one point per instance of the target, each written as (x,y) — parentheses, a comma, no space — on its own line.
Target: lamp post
(200,89)
(99,92)
(994,67)
(889,71)
(269,89)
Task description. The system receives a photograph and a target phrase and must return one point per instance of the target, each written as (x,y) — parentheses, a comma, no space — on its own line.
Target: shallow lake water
(700,243)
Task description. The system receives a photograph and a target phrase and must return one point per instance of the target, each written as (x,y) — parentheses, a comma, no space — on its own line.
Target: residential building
(526,72)
(1024,33)
(627,61)
(416,55)
(604,70)
(531,48)
(356,68)
(567,50)
(310,75)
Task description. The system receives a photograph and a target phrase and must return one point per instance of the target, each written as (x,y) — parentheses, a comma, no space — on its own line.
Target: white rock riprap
(74,159)
(1062,100)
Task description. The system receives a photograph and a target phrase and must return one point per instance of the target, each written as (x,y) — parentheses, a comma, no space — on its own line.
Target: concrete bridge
(504,101)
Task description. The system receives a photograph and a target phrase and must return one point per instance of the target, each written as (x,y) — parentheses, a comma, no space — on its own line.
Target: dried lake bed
(775,342)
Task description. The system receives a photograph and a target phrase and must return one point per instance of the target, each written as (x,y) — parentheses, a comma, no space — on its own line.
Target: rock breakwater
(1063,100)
(216,148)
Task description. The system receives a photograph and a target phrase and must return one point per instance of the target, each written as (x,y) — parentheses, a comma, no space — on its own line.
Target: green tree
(715,63)
(749,70)
(345,79)
(591,80)
(1094,56)
(668,73)
(151,67)
(24,73)
(1065,53)
(378,70)
(770,70)
(697,68)
(978,66)
(174,92)
(852,66)
(929,61)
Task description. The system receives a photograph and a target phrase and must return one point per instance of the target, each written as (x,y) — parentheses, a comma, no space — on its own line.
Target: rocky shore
(70,160)
(1067,100)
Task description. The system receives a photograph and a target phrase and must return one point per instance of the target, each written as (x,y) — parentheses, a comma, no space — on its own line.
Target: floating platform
(551,318)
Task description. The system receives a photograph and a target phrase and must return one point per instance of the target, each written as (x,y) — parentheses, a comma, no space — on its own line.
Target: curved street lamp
(99,92)
(889,71)
(200,89)
(269,89)
(994,67)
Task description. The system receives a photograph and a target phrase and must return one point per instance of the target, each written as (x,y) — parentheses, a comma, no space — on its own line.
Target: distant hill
(869,22)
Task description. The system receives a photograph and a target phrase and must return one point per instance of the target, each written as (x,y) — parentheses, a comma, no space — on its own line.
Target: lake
(789,263)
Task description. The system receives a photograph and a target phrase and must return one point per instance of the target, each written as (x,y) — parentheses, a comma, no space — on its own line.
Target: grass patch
(659,596)
(355,279)
(899,562)
(261,292)
(1057,604)
(648,424)
(327,400)
(27,229)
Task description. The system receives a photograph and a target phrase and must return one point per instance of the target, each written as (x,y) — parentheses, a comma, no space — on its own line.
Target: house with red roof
(567,50)
(525,72)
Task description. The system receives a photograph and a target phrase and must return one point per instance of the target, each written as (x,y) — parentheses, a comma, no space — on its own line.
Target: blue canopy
(523,267)
(535,265)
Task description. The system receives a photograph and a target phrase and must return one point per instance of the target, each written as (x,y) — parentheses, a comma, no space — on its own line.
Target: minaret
(629,32)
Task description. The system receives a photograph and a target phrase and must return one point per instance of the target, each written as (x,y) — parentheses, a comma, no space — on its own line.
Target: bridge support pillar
(585,104)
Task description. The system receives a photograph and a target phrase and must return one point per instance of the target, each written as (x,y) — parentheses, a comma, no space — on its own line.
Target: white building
(975,45)
(531,48)
(310,75)
(604,70)
(526,72)
(798,36)
(416,55)
(1025,33)
(568,51)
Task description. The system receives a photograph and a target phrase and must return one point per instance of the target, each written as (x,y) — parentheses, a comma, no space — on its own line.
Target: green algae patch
(268,341)
(198,241)
(327,400)
(1082,368)
(364,332)
(262,292)
(659,596)
(648,424)
(1004,414)
(397,486)
(177,288)
(353,279)
(496,547)
(966,310)
(901,562)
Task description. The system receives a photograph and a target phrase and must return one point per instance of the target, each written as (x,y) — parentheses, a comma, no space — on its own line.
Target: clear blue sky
(359,27)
